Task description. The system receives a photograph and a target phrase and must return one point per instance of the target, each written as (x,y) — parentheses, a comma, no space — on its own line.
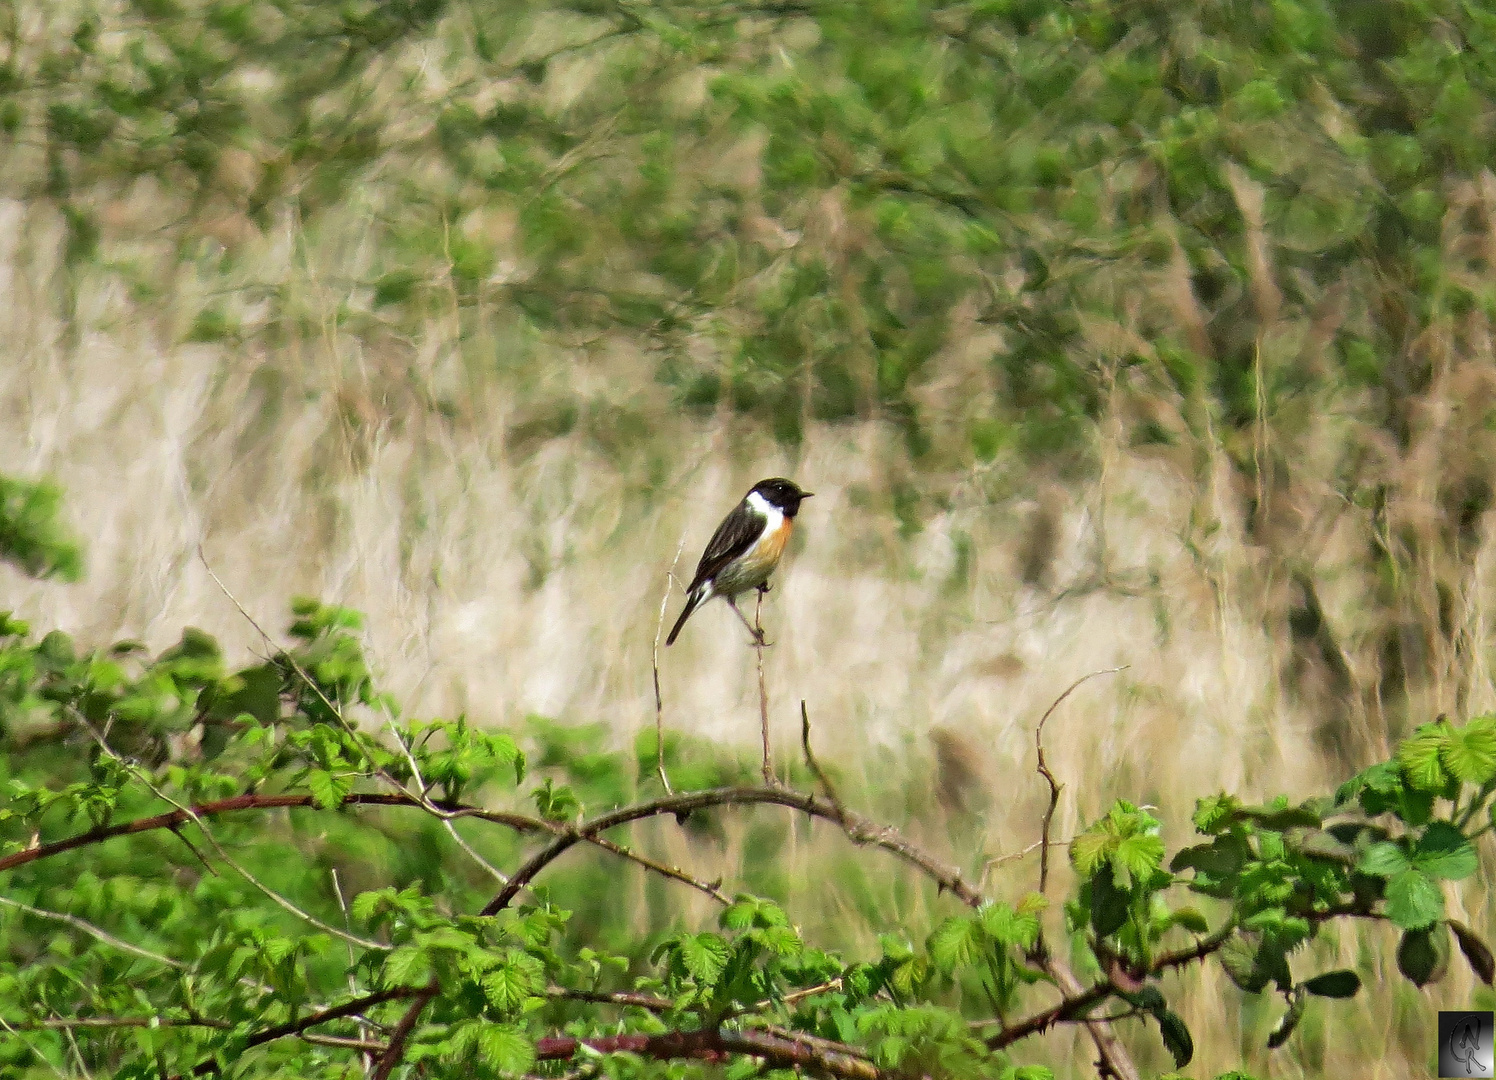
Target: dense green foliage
(795,206)
(269,870)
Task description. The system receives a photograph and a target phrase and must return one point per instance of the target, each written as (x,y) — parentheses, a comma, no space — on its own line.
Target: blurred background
(1151,333)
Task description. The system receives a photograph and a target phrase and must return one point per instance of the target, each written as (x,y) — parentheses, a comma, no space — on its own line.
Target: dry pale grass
(504,574)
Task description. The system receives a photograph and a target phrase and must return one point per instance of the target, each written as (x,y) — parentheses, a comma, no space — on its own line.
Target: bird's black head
(785,494)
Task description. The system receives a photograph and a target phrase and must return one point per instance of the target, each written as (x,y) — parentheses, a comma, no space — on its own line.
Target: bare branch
(392,1054)
(178,817)
(763,687)
(859,830)
(322,1016)
(654,661)
(1054,787)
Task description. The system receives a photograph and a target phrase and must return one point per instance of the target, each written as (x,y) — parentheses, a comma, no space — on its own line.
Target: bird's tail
(692,603)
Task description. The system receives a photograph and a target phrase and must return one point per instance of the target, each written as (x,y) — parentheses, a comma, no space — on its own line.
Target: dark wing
(738,532)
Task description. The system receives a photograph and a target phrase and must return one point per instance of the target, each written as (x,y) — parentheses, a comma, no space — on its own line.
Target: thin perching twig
(763,690)
(654,663)
(1054,786)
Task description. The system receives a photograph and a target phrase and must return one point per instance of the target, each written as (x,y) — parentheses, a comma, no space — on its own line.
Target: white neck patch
(773,515)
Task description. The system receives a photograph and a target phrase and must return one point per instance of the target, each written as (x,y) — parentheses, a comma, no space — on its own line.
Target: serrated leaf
(1138,856)
(704,956)
(1423,955)
(1334,984)
(1089,850)
(1444,852)
(1214,811)
(1009,928)
(1469,752)
(1384,860)
(509,986)
(955,943)
(1414,900)
(738,915)
(1176,1037)
(1476,951)
(328,791)
(1419,757)
(506,1048)
(407,966)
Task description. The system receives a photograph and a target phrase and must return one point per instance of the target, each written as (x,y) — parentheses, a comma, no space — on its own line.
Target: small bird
(745,549)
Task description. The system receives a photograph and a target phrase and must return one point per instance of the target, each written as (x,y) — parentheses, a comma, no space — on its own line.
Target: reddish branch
(336,1012)
(396,1049)
(176,818)
(1074,1004)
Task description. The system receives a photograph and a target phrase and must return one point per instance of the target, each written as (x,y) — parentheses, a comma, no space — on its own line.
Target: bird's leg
(757,632)
(764,588)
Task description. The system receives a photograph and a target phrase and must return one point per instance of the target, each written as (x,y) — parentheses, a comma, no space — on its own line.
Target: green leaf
(1423,955)
(1469,752)
(703,956)
(509,986)
(1176,1037)
(1419,757)
(955,943)
(1414,900)
(1334,984)
(506,1048)
(1476,951)
(407,966)
(1214,812)
(1007,927)
(1138,856)
(328,791)
(1108,904)
(1089,850)
(1384,860)
(1444,852)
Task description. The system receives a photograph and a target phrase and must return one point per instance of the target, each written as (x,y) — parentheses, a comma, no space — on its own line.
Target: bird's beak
(806,494)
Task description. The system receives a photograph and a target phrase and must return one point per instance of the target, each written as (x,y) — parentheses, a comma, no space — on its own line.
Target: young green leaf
(1414,900)
(1469,752)
(1444,852)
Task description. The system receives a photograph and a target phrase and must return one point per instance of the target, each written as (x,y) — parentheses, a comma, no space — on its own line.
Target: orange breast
(754,568)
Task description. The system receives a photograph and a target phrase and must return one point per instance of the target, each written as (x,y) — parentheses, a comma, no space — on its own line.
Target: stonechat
(744,550)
